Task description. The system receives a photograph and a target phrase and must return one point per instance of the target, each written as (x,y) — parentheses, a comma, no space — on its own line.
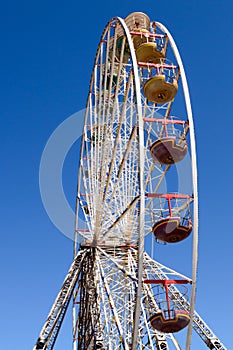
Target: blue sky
(47,53)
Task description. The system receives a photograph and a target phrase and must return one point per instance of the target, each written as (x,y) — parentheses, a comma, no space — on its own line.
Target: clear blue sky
(47,53)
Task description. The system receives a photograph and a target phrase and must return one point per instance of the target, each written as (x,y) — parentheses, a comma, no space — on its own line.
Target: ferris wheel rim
(194,177)
(141,181)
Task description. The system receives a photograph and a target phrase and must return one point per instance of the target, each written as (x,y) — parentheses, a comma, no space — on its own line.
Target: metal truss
(50,330)
(103,283)
(87,331)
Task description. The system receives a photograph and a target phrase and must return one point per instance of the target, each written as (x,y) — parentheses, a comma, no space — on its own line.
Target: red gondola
(173,224)
(175,323)
(167,151)
(171,229)
(168,319)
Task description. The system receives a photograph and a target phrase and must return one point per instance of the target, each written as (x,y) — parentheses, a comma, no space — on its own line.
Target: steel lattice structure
(125,195)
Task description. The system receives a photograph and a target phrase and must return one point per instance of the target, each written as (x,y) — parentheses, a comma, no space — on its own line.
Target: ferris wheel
(138,131)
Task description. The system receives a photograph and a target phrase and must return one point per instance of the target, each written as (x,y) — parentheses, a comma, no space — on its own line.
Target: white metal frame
(116,204)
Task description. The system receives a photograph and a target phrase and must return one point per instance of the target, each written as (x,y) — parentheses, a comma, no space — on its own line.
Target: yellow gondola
(148,52)
(158,90)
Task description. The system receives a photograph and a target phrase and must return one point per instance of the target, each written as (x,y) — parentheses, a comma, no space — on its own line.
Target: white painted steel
(194,178)
(102,159)
(141,183)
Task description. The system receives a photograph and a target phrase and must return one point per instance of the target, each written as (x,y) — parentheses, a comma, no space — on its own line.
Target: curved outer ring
(194,178)
(141,178)
(141,167)
(141,181)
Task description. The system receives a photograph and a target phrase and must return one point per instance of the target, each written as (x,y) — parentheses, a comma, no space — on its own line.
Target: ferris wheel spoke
(158,185)
(112,300)
(121,268)
(183,207)
(131,206)
(120,166)
(117,139)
